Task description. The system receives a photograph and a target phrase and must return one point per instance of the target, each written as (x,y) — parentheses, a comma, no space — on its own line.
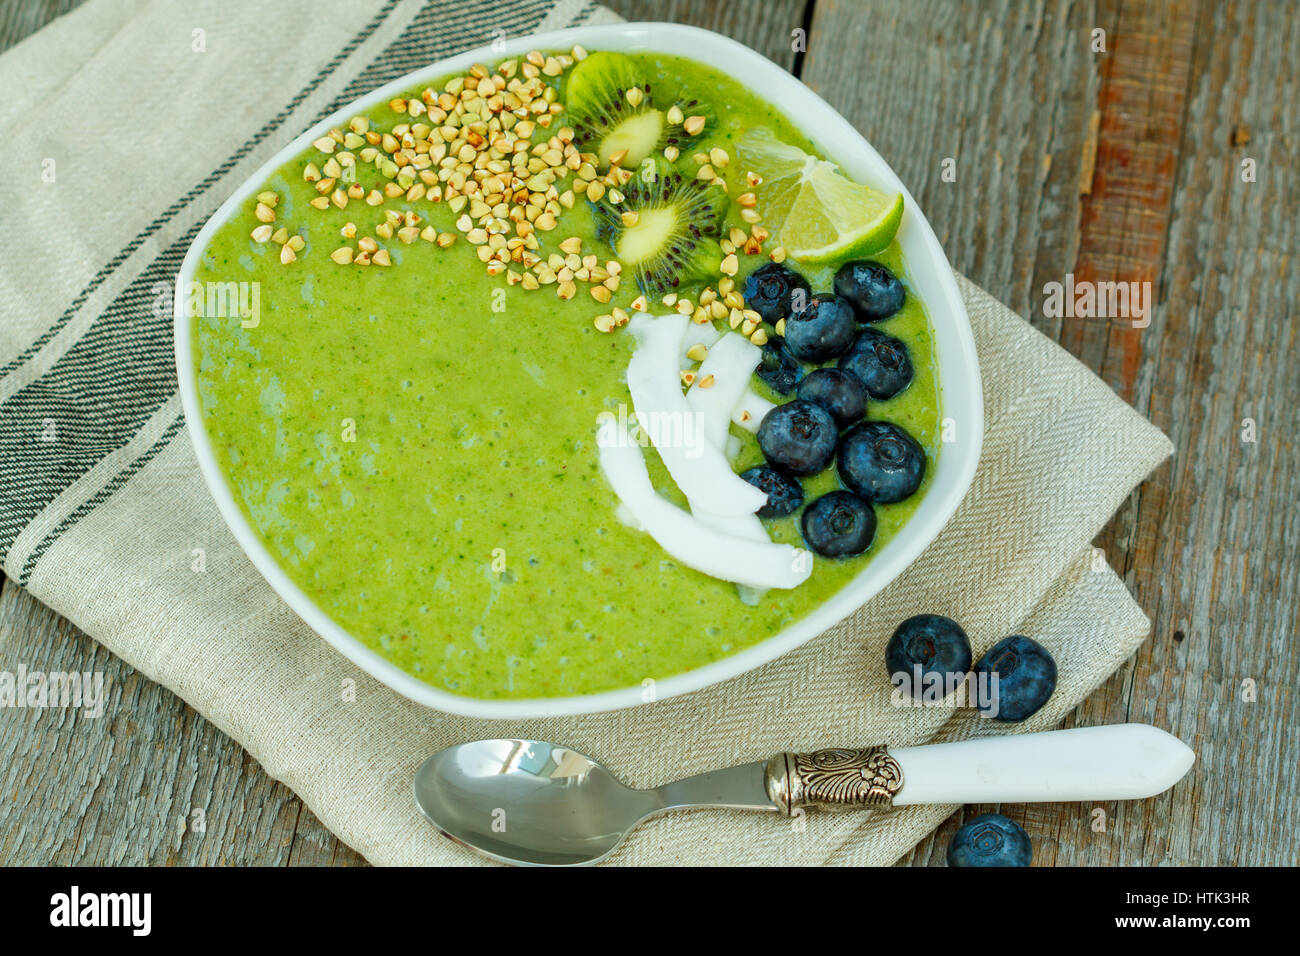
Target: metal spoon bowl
(535,803)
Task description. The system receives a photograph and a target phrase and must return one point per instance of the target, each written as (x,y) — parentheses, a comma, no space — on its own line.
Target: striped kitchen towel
(129,123)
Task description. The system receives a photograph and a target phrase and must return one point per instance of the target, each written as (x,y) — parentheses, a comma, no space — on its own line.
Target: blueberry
(1026,676)
(839,524)
(778,367)
(784,494)
(934,643)
(881,362)
(798,437)
(840,393)
(873,290)
(769,291)
(990,840)
(822,330)
(881,462)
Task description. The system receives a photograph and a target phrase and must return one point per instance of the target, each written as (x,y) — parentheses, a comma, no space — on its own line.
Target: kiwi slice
(674,235)
(606,121)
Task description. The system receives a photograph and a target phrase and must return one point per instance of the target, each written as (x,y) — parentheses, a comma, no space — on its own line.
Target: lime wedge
(818,214)
(782,167)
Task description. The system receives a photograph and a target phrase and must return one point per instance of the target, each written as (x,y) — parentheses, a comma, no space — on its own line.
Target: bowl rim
(959,377)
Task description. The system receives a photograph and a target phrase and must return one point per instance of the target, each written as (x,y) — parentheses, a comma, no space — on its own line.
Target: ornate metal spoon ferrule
(835,779)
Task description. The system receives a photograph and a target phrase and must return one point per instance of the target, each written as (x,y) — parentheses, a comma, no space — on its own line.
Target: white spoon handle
(1119,762)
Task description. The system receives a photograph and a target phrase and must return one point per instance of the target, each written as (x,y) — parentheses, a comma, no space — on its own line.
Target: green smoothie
(416,443)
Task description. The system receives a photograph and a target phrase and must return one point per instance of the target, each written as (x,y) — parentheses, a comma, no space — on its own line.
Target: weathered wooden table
(1114,142)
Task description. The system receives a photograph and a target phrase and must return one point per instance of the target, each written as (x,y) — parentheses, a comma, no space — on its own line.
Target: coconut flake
(625,516)
(747,562)
(731,363)
(699,467)
(741,526)
(749,411)
(730,542)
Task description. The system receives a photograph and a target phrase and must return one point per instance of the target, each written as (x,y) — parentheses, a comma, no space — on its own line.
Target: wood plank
(1214,553)
(764,25)
(1125,206)
(1126,213)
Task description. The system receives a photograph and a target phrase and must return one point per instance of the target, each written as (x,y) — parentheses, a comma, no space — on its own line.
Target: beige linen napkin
(146,125)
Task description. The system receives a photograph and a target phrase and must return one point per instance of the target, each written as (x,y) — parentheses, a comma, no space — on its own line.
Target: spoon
(540,804)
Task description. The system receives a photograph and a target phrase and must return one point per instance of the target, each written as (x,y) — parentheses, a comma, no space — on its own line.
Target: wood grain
(764,25)
(1215,542)
(1117,165)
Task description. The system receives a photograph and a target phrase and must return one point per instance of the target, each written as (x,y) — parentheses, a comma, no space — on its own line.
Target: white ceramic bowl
(929,273)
